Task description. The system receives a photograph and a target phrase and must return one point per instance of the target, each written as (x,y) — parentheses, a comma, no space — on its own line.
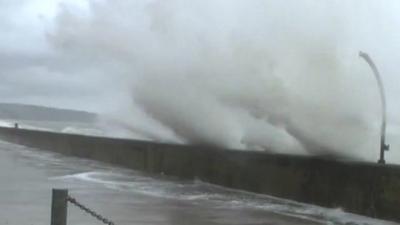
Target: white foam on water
(200,191)
(136,183)
(334,216)
(30,127)
(5,124)
(84,131)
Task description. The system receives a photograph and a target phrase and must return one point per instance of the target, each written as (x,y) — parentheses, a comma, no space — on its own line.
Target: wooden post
(59,207)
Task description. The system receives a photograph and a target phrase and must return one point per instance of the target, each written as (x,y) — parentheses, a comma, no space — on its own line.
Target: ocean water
(56,126)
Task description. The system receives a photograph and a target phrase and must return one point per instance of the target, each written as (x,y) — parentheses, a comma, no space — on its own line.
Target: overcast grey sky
(31,71)
(254,68)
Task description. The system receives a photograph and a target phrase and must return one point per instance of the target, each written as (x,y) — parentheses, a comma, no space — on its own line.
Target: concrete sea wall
(364,188)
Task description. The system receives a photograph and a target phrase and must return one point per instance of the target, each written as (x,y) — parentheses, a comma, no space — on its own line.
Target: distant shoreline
(15,111)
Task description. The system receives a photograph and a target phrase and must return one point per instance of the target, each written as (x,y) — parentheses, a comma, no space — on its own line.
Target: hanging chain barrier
(89,211)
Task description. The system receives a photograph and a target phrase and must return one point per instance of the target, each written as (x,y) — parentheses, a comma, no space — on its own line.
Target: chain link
(89,211)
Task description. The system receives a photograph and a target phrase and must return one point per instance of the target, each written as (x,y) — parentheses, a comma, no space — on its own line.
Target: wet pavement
(129,197)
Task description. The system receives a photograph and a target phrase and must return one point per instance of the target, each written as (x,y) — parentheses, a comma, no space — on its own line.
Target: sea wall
(364,188)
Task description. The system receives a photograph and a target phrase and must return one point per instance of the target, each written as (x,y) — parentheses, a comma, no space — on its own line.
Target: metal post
(59,207)
(384,146)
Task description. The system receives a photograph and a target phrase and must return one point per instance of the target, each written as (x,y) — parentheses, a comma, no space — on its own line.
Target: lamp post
(384,146)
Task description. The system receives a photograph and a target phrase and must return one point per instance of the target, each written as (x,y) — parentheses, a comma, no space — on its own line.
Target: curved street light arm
(384,147)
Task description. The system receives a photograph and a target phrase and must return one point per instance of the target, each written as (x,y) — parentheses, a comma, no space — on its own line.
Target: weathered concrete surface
(363,188)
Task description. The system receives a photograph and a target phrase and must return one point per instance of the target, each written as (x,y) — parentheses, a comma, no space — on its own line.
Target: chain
(89,211)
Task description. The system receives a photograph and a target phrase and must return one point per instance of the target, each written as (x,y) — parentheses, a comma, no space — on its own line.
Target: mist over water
(282,76)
